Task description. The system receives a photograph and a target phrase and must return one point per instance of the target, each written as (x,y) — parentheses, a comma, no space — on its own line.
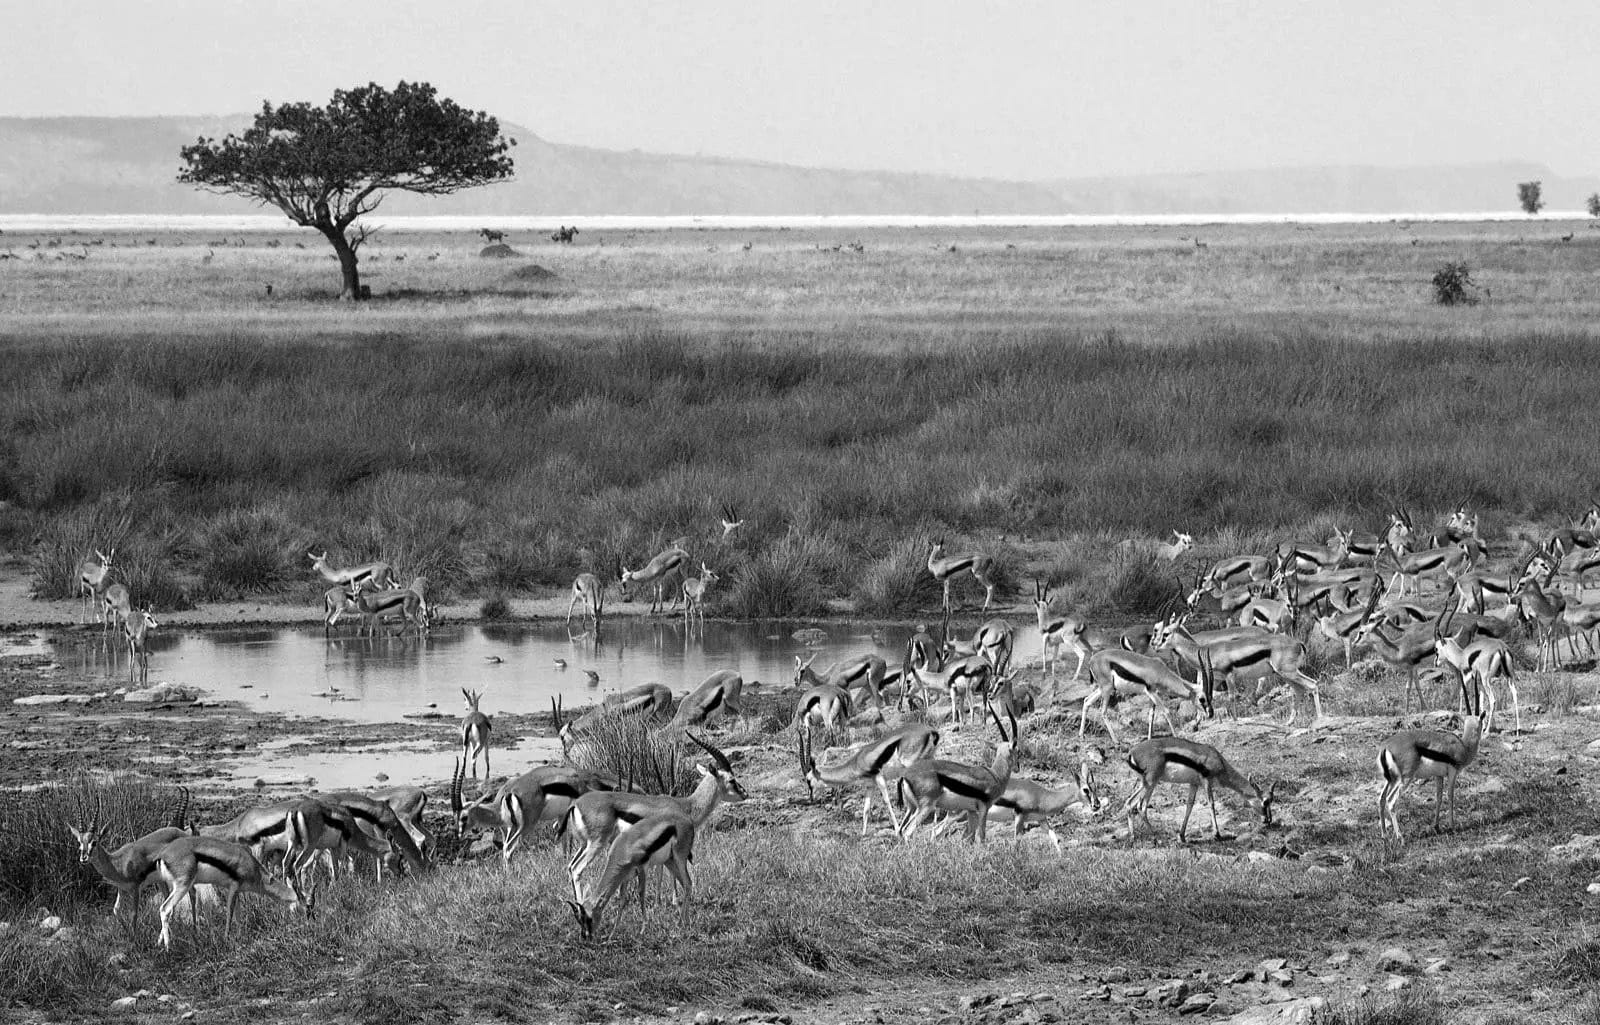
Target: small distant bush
(152,583)
(1141,585)
(898,582)
(1594,204)
(245,551)
(495,607)
(1530,196)
(1453,285)
(1416,1006)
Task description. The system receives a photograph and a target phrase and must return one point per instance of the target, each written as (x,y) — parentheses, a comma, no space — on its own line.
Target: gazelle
(1262,656)
(1544,611)
(1163,551)
(730,520)
(475,734)
(661,566)
(666,840)
(336,601)
(961,681)
(129,868)
(958,788)
(1408,648)
(694,593)
(191,861)
(1236,571)
(136,630)
(1270,614)
(597,816)
(993,640)
(869,764)
(370,575)
(589,590)
(1301,558)
(1033,804)
(542,794)
(944,569)
(1475,587)
(1432,563)
(377,819)
(115,607)
(821,706)
(722,691)
(1056,632)
(1428,754)
(866,671)
(409,804)
(1174,760)
(1479,664)
(93,579)
(1114,673)
(377,606)
(652,699)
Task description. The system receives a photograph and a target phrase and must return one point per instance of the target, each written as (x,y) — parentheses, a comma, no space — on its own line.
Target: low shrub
(636,752)
(495,607)
(898,582)
(783,582)
(1451,284)
(1415,1006)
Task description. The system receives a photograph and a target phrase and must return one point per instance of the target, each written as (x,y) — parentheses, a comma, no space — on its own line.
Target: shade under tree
(326,167)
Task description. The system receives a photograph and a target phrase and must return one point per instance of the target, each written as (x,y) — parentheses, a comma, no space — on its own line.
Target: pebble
(124,1003)
(1339,959)
(1197,1003)
(1437,965)
(50,923)
(1396,983)
(1396,959)
(1593,887)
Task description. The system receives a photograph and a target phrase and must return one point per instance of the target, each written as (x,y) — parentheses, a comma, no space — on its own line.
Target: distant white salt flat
(25,223)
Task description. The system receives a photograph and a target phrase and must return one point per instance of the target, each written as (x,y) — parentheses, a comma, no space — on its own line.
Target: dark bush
(1451,284)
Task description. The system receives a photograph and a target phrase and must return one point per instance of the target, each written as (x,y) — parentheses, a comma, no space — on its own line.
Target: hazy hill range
(129,166)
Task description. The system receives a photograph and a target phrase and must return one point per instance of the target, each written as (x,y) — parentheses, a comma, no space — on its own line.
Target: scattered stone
(1197,1003)
(1582,847)
(162,693)
(1117,974)
(124,1003)
(1282,977)
(1237,977)
(1272,964)
(1397,983)
(1397,959)
(50,923)
(1593,887)
(53,699)
(1339,959)
(1437,965)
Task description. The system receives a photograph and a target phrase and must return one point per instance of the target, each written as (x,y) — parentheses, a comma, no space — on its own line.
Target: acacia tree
(1594,204)
(1529,194)
(326,167)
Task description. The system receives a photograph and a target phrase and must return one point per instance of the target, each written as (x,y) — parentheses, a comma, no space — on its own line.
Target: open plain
(500,424)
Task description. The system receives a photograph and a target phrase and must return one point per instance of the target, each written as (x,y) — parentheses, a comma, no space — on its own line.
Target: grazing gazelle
(1165,551)
(336,601)
(598,816)
(1115,673)
(136,629)
(665,564)
(370,575)
(652,699)
(475,734)
(190,861)
(1056,632)
(858,671)
(869,764)
(1428,754)
(722,691)
(93,579)
(944,569)
(958,788)
(545,793)
(993,640)
(591,592)
(1033,804)
(116,607)
(664,840)
(382,826)
(822,706)
(1173,760)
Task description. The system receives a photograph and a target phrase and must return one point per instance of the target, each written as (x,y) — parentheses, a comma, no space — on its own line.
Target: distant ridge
(129,166)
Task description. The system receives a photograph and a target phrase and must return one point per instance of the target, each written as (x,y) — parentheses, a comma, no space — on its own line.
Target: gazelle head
(105,557)
(318,561)
(1181,543)
(1086,788)
(146,620)
(800,668)
(1265,800)
(89,838)
(473,697)
(720,769)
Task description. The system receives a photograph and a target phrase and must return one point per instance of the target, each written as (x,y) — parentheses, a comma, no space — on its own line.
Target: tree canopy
(326,167)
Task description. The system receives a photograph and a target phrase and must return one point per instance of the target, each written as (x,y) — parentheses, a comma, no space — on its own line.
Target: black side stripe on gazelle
(1187,762)
(961,788)
(666,838)
(215,863)
(1435,755)
(277,827)
(1249,658)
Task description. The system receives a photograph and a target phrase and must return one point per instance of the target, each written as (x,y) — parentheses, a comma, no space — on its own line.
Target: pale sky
(1012,90)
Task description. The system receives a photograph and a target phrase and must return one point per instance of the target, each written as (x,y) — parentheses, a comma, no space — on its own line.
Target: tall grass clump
(70,537)
(1140,584)
(783,582)
(39,858)
(1417,1005)
(636,752)
(150,571)
(898,582)
(245,551)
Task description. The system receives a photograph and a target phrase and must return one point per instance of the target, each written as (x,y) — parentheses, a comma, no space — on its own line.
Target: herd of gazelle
(626,833)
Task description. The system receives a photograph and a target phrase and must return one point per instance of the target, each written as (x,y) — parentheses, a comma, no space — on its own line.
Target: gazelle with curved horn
(131,867)
(383,828)
(957,788)
(590,591)
(136,631)
(1437,564)
(722,691)
(945,568)
(1033,804)
(1304,559)
(961,681)
(822,706)
(1057,631)
(373,576)
(1263,656)
(93,579)
(1479,663)
(596,817)
(542,794)
(869,763)
(665,564)
(994,641)
(1174,760)
(665,841)
(730,519)
(1236,571)
(475,728)
(1428,754)
(1400,648)
(694,593)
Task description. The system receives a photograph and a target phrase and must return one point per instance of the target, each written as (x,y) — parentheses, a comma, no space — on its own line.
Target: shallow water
(296,671)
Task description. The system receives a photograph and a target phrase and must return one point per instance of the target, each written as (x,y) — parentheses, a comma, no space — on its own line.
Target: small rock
(1282,978)
(124,1003)
(1237,977)
(1339,959)
(1272,964)
(1397,959)
(1593,887)
(1117,974)
(1396,983)
(50,923)
(1197,1003)
(1437,965)
(706,1018)
(1582,847)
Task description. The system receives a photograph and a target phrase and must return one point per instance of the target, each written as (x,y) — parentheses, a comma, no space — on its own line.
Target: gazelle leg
(1188,808)
(1438,800)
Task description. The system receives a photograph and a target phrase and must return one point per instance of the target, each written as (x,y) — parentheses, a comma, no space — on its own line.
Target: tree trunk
(347,262)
